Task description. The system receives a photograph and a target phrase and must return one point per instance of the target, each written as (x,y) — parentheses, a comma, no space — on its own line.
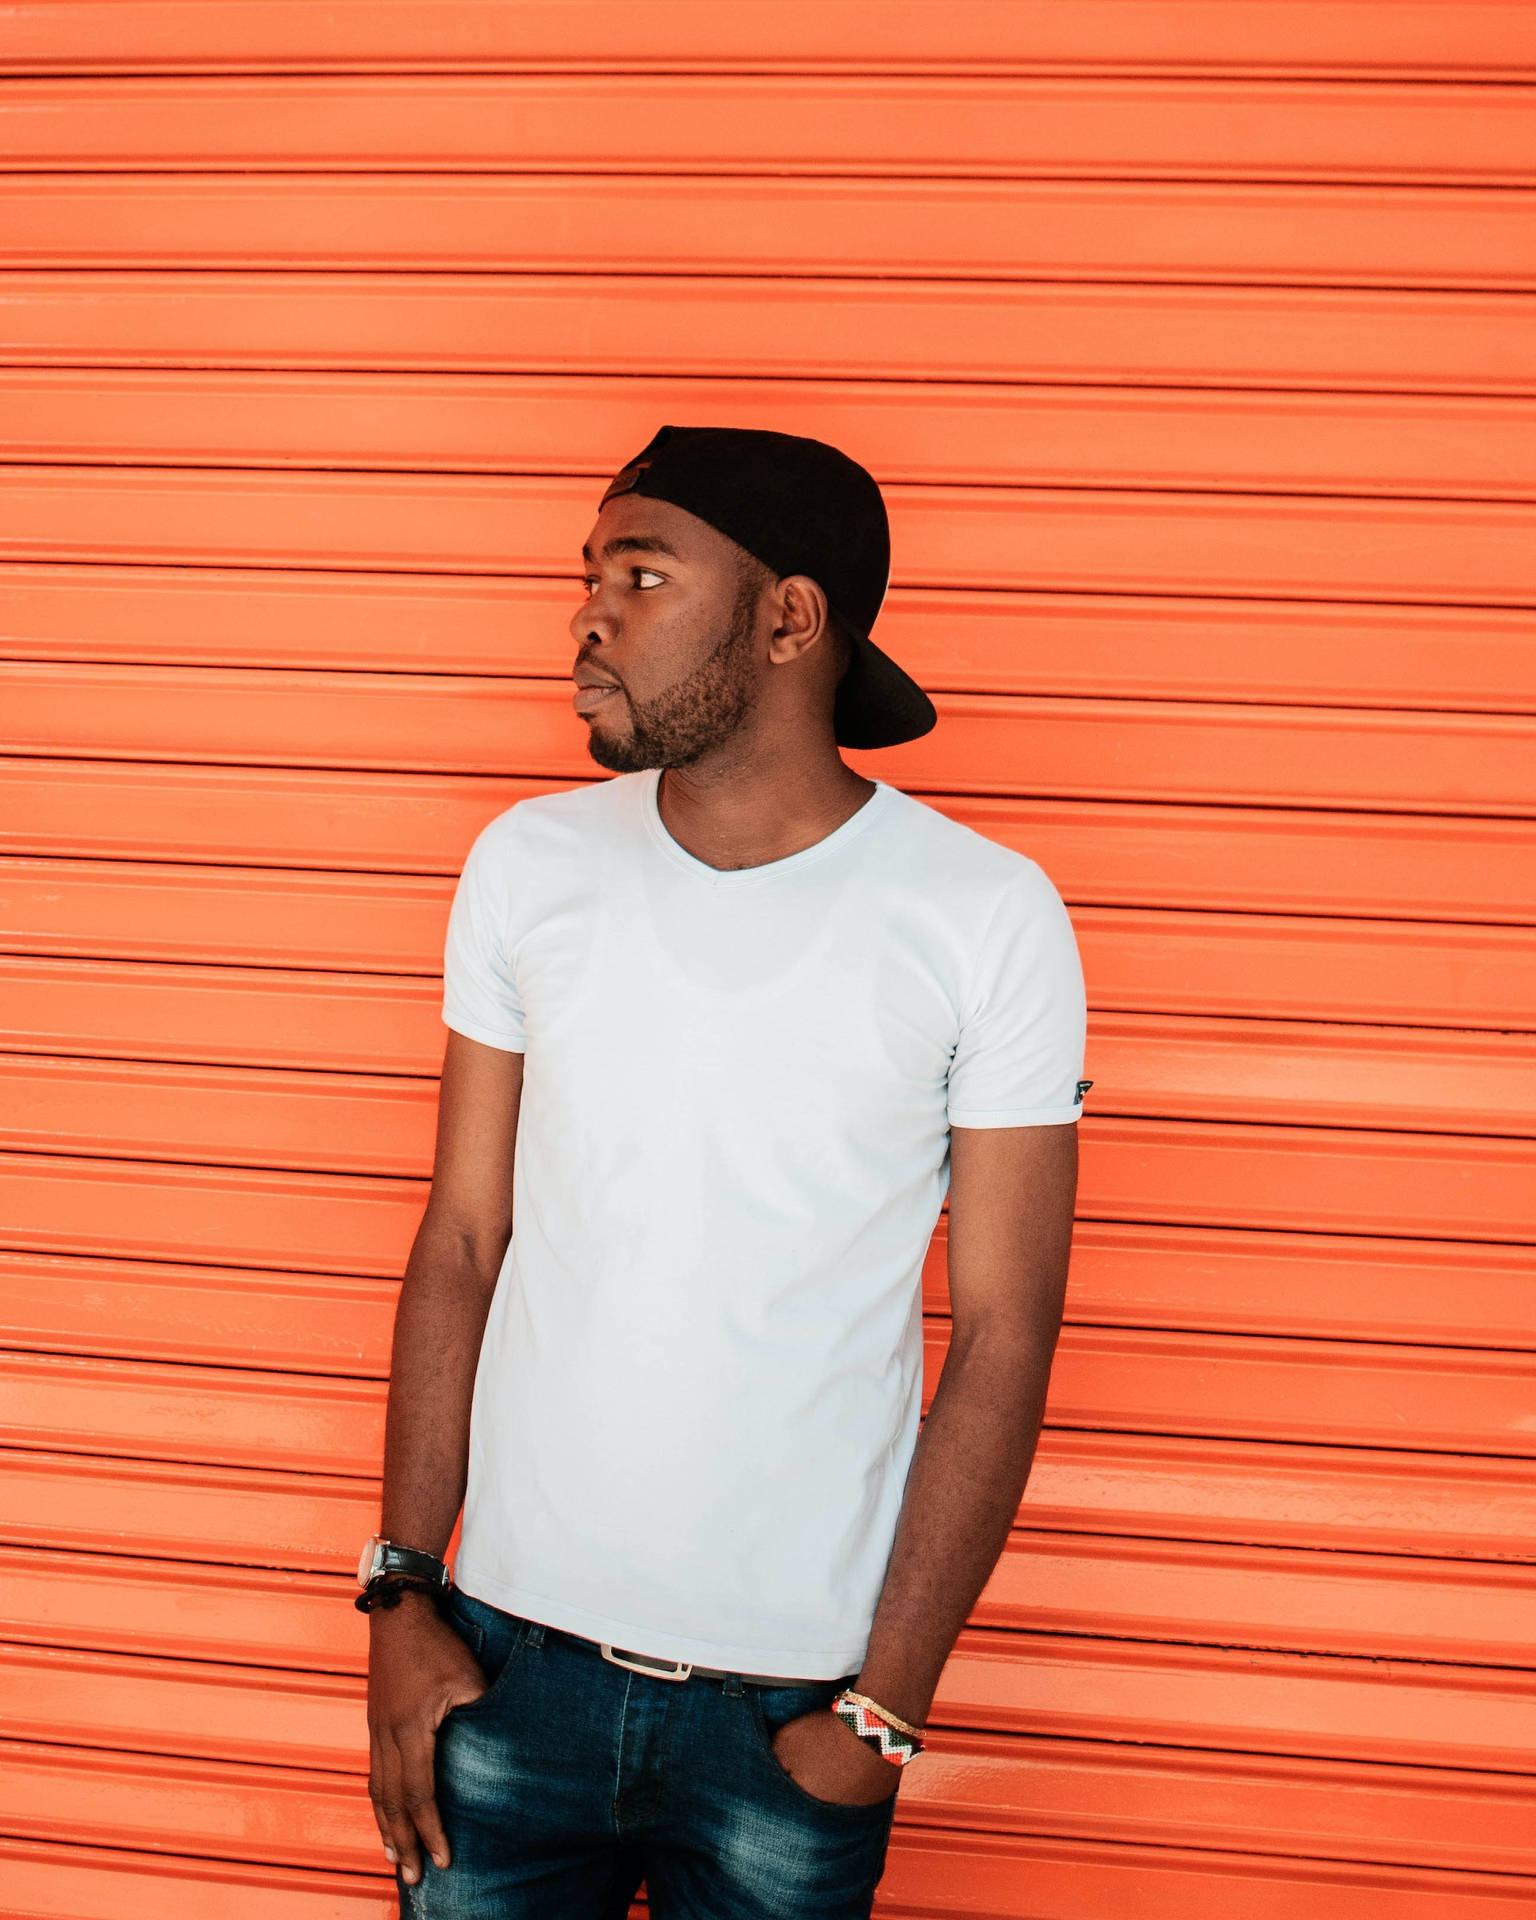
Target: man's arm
(1011,1197)
(418,1667)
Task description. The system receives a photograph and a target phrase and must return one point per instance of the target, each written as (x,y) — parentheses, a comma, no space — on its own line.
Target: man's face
(669,626)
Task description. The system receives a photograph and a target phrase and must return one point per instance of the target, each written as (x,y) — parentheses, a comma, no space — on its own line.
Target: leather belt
(674,1669)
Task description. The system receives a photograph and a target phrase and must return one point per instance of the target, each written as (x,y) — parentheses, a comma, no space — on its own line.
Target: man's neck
(751,817)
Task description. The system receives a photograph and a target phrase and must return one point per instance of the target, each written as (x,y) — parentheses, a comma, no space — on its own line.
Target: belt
(674,1669)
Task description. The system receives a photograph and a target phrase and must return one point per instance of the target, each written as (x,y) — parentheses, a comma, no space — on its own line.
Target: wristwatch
(383,1560)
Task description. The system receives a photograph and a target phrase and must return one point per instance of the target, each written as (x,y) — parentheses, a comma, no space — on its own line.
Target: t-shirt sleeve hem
(487,1036)
(1015,1116)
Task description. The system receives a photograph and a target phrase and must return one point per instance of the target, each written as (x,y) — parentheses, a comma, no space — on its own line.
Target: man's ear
(802,617)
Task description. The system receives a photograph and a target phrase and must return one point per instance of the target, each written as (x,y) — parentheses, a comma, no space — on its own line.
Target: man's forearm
(963,1489)
(439,1324)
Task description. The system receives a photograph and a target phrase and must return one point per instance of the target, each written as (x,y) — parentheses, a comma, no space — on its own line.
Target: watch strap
(411,1560)
(385,1591)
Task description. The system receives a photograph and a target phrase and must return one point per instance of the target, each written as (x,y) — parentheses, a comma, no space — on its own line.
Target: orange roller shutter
(1190,342)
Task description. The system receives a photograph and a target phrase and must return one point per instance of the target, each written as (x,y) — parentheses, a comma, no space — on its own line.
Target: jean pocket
(463,1623)
(774,1707)
(496,1640)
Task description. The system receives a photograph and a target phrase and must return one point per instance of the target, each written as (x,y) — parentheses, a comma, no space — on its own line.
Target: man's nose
(591,624)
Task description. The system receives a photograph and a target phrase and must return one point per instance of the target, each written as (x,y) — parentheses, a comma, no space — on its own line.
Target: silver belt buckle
(680,1669)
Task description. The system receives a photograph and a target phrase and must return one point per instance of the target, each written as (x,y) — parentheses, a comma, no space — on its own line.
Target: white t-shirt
(699,1388)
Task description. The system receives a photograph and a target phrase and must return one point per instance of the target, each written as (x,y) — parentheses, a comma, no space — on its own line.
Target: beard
(699,713)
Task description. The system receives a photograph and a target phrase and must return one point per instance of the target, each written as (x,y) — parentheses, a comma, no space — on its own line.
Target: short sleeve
(480,997)
(1018,1060)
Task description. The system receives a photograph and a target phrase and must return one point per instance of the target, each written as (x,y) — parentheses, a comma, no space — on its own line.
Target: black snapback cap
(798,506)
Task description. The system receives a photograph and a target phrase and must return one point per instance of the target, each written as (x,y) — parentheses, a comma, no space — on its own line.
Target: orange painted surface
(1479,238)
(1163,647)
(1348,1810)
(1449,1400)
(975,537)
(706,124)
(1248,965)
(1190,340)
(309,838)
(1124,750)
(971,434)
(1209,336)
(1373,38)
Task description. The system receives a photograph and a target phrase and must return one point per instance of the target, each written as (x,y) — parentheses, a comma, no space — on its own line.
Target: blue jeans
(571,1779)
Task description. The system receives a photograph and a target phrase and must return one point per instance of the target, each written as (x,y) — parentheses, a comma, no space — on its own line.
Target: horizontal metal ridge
(1319,1706)
(1152,1066)
(1441,446)
(1170,233)
(1282,966)
(1253,1387)
(222,1810)
(1165,1066)
(925,1871)
(1353,1393)
(1121,36)
(1089,1586)
(132,889)
(220,1416)
(271,1714)
(685,326)
(1175,1797)
(1326,1286)
(1273,1702)
(697,123)
(1308,1179)
(1332,1603)
(1051,539)
(1075,645)
(1143,750)
(1140,1486)
(177,1510)
(326,1223)
(112,908)
(1276,968)
(72,1882)
(952,1875)
(1429,1816)
(1302,1495)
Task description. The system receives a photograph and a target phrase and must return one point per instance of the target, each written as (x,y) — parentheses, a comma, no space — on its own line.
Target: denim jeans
(571,1780)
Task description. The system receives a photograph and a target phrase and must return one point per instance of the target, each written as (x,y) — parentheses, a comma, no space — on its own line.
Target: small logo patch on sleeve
(1082,1088)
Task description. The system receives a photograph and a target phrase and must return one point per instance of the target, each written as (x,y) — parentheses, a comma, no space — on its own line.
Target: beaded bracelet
(878,1728)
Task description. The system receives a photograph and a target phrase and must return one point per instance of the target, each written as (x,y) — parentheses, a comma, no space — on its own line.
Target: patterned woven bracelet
(878,1728)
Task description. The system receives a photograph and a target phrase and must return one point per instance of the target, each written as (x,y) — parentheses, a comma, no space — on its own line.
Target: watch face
(366,1564)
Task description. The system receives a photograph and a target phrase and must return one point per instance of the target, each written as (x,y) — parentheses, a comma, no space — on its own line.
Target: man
(722,1030)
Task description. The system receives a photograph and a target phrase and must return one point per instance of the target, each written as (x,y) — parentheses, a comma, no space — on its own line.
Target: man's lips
(591,693)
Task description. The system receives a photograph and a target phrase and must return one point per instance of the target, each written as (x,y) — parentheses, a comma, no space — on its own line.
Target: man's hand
(823,1754)
(418,1670)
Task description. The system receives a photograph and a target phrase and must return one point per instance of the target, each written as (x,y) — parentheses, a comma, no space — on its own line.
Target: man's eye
(642,576)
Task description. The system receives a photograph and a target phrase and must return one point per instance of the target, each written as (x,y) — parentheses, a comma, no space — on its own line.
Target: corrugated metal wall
(1194,345)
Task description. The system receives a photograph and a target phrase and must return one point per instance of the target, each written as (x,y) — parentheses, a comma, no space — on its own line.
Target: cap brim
(877,705)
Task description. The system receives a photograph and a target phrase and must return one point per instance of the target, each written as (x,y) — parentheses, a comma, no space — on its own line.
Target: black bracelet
(386,1591)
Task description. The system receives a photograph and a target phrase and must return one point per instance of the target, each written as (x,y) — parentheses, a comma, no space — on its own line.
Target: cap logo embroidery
(625,481)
